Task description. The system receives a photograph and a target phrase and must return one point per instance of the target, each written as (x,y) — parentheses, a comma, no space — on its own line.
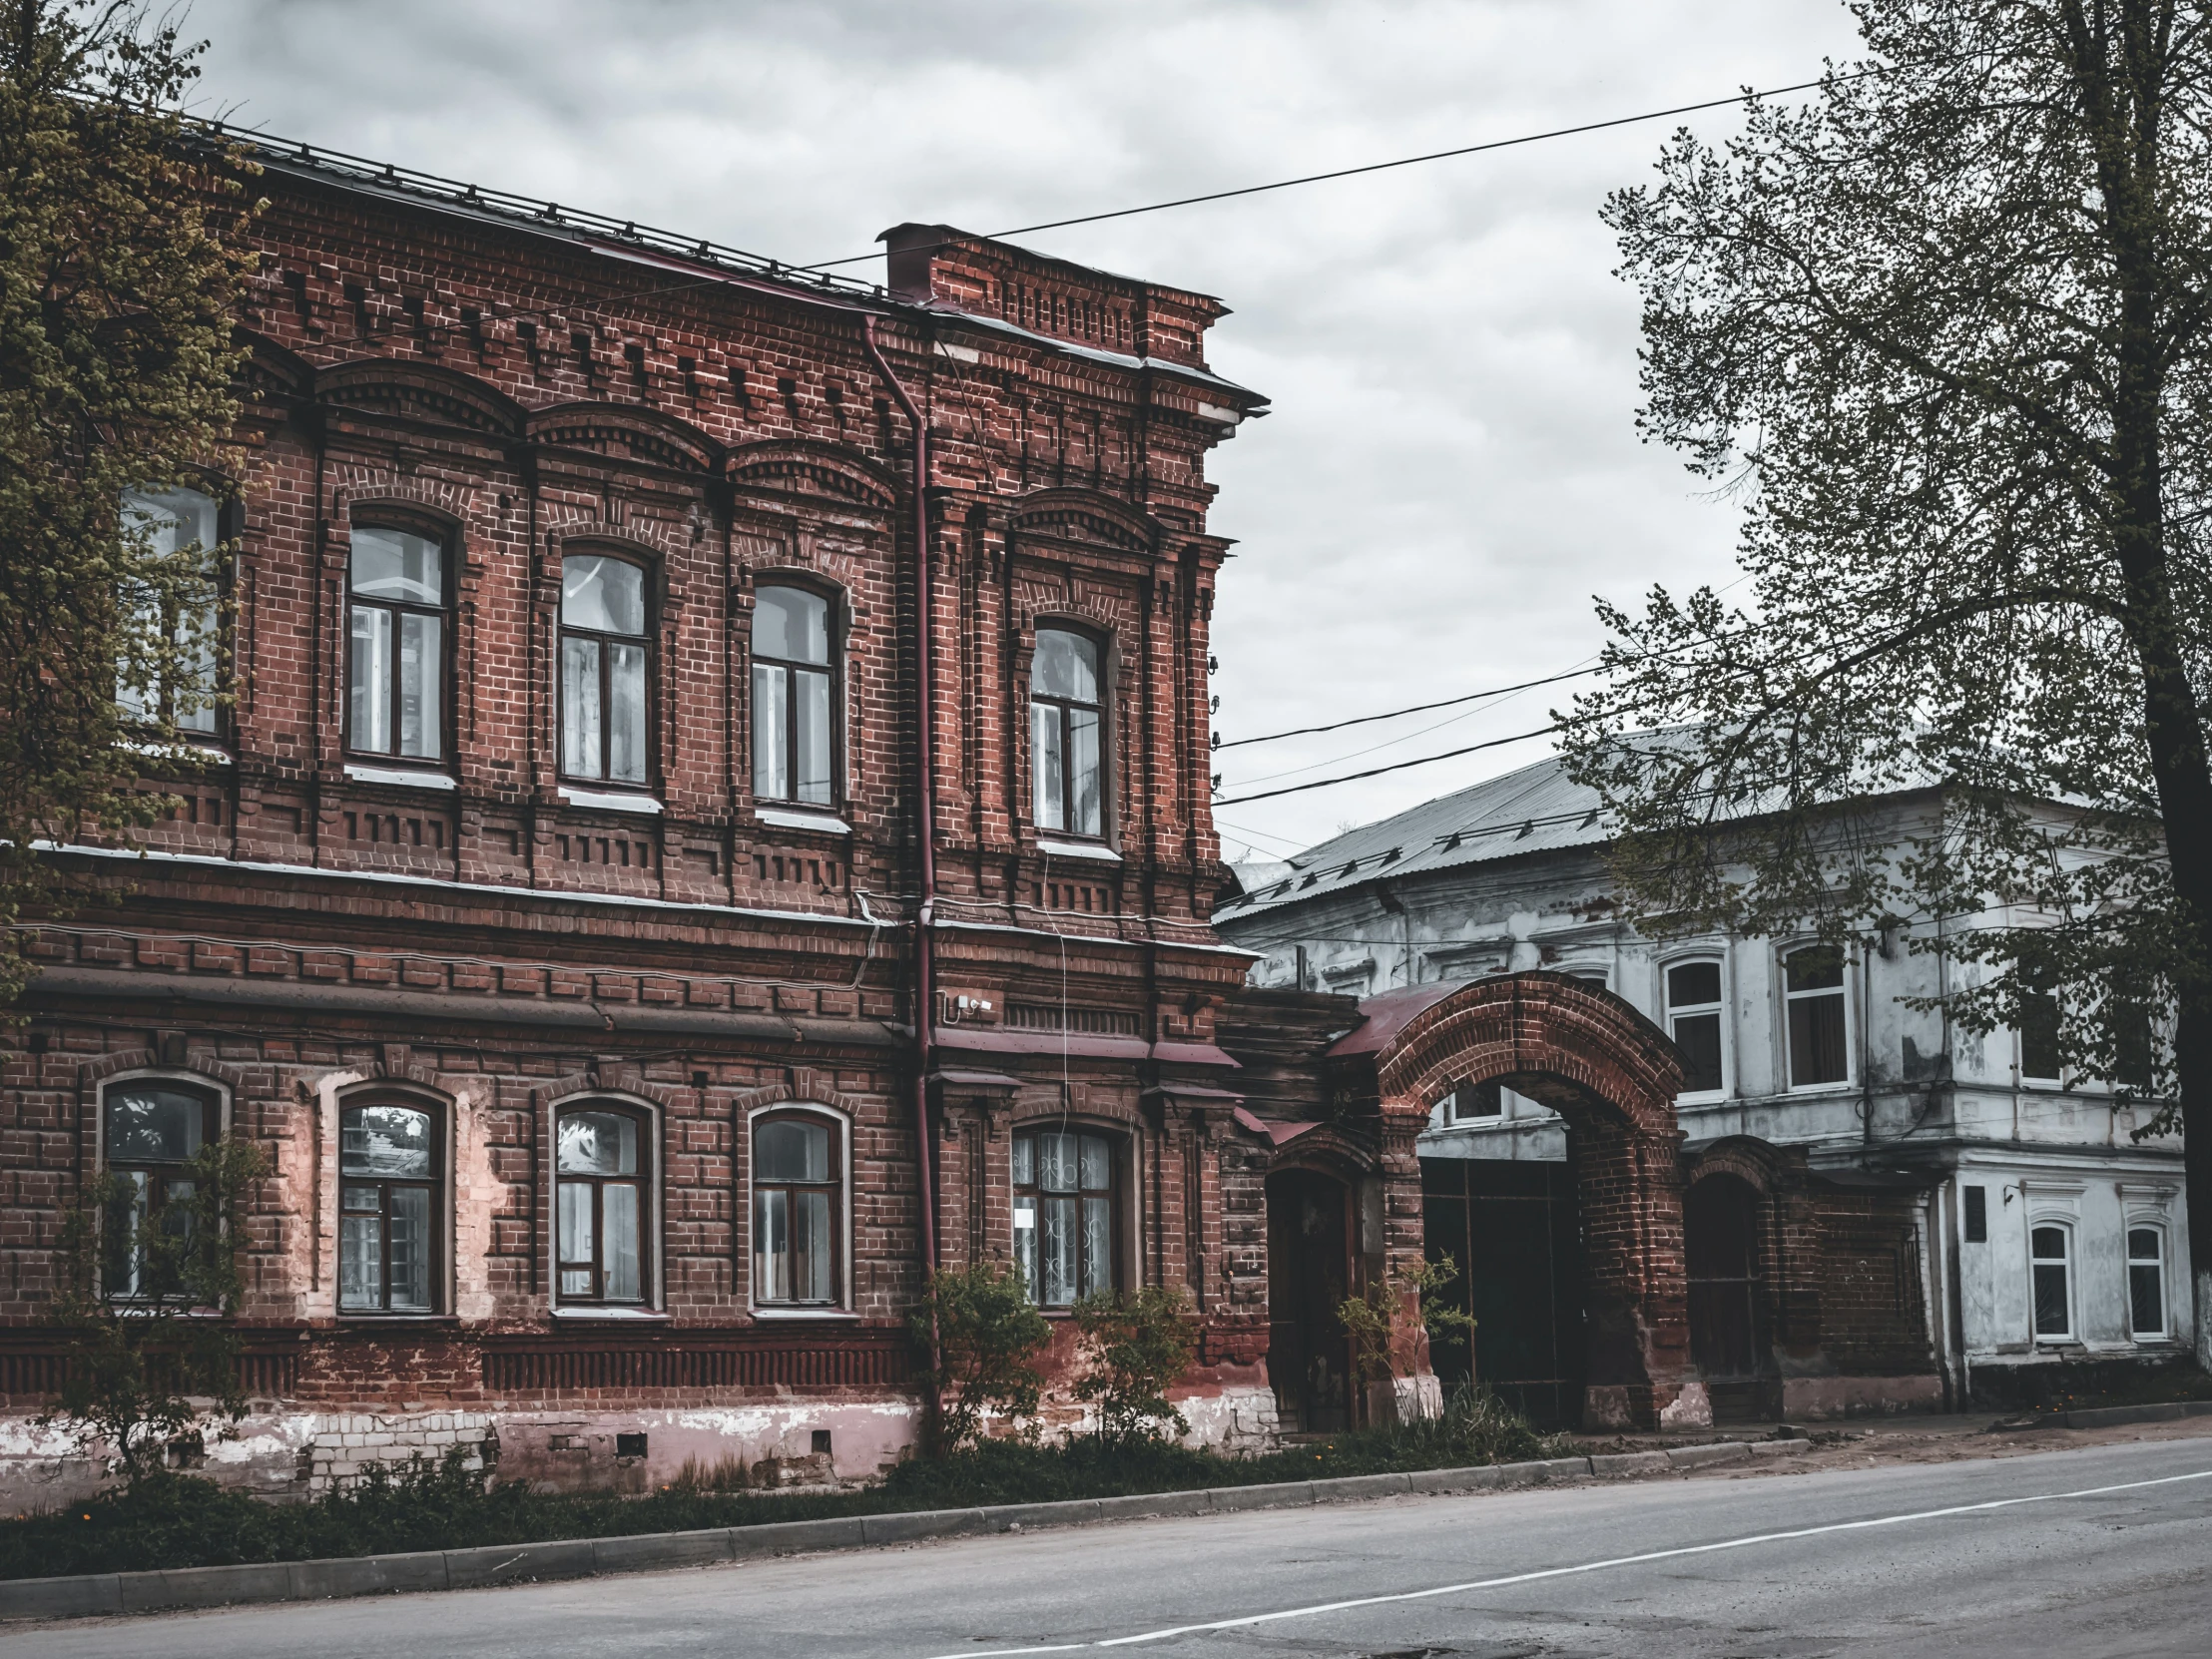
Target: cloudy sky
(1451,469)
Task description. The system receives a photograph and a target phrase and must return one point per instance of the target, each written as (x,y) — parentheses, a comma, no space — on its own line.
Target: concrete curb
(109,1594)
(2106,1416)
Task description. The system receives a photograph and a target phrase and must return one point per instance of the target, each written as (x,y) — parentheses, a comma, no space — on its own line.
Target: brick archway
(1612,1076)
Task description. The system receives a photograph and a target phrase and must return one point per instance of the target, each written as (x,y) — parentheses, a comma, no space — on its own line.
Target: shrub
(987,1335)
(1138,1343)
(1373,1319)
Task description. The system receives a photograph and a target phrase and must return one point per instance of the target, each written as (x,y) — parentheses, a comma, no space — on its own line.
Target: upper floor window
(152,1129)
(1064,1191)
(600,1206)
(792,703)
(798,1209)
(396,669)
(388,1196)
(2051,1262)
(2146,1282)
(1813,993)
(604,707)
(1066,723)
(2038,1037)
(180,691)
(1693,1021)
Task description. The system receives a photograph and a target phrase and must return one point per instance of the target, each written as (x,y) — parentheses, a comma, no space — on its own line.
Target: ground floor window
(2146,1282)
(2051,1259)
(601,1208)
(1064,1189)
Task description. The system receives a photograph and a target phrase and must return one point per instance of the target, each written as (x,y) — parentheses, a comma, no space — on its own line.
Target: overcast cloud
(1451,468)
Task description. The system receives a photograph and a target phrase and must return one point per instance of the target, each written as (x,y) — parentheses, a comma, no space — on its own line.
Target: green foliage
(1371,1319)
(1944,331)
(121,267)
(988,1334)
(147,1299)
(182,1522)
(1137,1342)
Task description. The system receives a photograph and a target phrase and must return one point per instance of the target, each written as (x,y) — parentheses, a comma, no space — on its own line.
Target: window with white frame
(794,698)
(1693,1021)
(2050,1274)
(606,698)
(2146,1283)
(1813,996)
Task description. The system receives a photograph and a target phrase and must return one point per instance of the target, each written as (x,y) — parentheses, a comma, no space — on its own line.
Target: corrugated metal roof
(1537,809)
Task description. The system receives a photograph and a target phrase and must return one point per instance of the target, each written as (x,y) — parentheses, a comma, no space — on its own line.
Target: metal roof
(1537,809)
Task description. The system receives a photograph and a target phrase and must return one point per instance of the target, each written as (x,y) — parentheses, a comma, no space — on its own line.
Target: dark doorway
(1720,1235)
(1512,1228)
(1308,1275)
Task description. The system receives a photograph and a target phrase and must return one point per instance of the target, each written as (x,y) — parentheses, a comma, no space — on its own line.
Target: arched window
(151,1131)
(1066,734)
(2146,1283)
(1693,1021)
(794,698)
(1814,993)
(606,720)
(397,660)
(182,615)
(798,1210)
(602,1205)
(1065,1186)
(2050,1263)
(388,1203)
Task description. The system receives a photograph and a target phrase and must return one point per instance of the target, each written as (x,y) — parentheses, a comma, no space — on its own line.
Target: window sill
(788,818)
(1714,1097)
(351,1315)
(1078,850)
(1844,1087)
(201,747)
(648,1315)
(399,776)
(606,800)
(829,1314)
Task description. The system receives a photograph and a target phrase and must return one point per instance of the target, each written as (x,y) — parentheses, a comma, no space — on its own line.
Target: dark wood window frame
(1031,1192)
(647,639)
(437,1208)
(642,1180)
(1809,998)
(162,1174)
(447,536)
(834,1185)
(830,669)
(230,527)
(1063,711)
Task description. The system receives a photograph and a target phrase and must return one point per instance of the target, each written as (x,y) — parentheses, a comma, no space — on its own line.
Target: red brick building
(548,910)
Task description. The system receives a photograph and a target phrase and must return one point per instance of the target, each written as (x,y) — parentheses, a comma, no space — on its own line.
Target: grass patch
(182,1521)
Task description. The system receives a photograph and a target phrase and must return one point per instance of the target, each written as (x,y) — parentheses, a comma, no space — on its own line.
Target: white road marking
(1579,1567)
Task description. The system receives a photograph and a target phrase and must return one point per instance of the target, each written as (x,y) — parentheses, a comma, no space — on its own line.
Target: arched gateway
(1612,1076)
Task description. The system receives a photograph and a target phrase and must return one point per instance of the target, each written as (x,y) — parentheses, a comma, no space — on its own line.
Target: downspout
(925,818)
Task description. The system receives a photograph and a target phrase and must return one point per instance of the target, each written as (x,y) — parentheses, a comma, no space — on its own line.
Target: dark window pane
(149,1124)
(2050,1299)
(1692,984)
(792,1150)
(2147,1299)
(1816,967)
(1479,1100)
(2038,1019)
(1817,1040)
(2048,1244)
(1698,1038)
(2132,1052)
(1978,1215)
(598,1143)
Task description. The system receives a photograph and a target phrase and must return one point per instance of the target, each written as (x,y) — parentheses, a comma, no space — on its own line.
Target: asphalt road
(2103,1552)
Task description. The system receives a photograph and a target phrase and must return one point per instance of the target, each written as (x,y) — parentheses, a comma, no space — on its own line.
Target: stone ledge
(137,1592)
(2106,1416)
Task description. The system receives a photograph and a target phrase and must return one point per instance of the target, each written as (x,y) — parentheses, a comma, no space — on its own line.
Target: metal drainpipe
(925,816)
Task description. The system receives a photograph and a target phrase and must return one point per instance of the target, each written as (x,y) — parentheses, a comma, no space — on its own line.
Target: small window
(1479,1100)
(1814,991)
(388,1196)
(151,1132)
(1693,1021)
(395,662)
(182,615)
(600,1207)
(1978,1213)
(605,719)
(798,1210)
(2050,1259)
(793,701)
(1066,727)
(2134,1051)
(2038,1037)
(2146,1282)
(1064,1224)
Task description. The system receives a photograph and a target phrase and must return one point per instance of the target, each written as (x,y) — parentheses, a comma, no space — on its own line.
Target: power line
(1396,766)
(1417,709)
(1404,161)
